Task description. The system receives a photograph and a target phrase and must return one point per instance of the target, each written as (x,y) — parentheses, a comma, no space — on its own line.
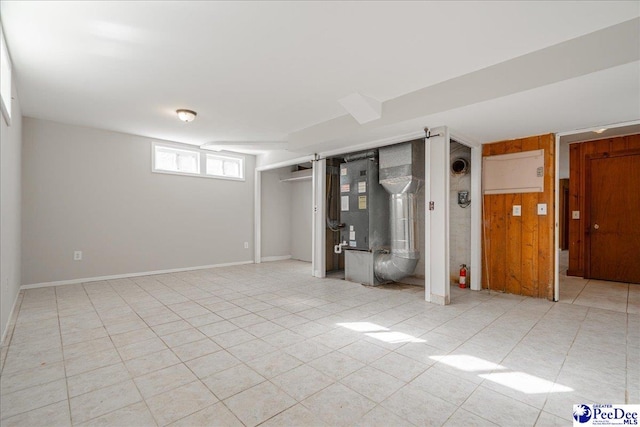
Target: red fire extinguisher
(463,276)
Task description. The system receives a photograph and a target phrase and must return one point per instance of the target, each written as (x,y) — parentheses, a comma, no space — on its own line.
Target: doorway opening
(585,273)
(460,199)
(286,204)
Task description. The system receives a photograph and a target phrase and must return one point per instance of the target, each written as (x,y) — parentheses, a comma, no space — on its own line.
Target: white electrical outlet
(517,210)
(77,255)
(575,214)
(246,245)
(542,208)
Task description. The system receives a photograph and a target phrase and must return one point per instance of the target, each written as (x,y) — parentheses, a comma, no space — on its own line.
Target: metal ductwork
(401,175)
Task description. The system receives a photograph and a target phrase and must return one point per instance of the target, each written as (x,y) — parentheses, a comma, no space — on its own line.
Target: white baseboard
(275,258)
(11,320)
(127,275)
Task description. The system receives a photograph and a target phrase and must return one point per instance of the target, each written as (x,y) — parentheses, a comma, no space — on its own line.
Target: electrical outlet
(77,255)
(517,210)
(246,245)
(542,208)
(575,214)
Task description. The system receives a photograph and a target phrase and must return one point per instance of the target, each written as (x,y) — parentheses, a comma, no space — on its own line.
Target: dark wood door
(612,242)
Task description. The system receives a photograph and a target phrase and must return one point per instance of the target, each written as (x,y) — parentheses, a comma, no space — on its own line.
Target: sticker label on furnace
(362,202)
(344,203)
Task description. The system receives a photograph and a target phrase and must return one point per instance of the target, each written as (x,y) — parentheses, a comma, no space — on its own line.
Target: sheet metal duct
(401,175)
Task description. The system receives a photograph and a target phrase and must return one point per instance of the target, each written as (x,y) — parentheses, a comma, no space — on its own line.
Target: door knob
(596,226)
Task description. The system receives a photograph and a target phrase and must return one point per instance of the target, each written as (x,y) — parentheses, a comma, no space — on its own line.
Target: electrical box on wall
(513,173)
(463,197)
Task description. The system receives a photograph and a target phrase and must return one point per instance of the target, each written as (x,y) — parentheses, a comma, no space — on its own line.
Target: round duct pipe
(459,166)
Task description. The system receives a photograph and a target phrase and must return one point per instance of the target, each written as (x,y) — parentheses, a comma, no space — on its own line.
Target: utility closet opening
(460,199)
(375,223)
(286,213)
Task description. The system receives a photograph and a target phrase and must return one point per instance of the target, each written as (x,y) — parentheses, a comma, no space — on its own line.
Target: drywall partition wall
(578,153)
(93,191)
(301,219)
(460,216)
(275,215)
(10,212)
(563,154)
(518,251)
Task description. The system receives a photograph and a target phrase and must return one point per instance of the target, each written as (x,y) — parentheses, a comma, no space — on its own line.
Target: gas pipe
(463,276)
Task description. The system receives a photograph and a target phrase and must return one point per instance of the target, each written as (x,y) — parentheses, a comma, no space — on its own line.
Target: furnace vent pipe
(362,155)
(401,174)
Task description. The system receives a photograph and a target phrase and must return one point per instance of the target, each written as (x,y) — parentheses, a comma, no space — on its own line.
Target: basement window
(228,167)
(176,160)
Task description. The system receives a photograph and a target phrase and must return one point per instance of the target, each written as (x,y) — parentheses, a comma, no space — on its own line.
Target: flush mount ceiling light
(186,115)
(600,130)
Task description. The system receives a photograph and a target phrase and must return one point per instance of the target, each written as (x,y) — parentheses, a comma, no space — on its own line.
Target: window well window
(175,159)
(172,159)
(225,166)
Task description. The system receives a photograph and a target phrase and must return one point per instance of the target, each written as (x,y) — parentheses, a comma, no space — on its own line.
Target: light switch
(575,214)
(517,210)
(542,208)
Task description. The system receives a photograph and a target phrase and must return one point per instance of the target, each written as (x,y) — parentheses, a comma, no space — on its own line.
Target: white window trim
(225,156)
(202,158)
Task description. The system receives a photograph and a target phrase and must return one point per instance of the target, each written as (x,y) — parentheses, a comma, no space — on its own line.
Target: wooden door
(612,245)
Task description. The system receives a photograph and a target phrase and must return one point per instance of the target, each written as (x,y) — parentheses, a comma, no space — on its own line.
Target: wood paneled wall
(578,153)
(518,251)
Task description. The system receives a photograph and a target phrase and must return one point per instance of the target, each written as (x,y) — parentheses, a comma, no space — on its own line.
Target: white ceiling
(274,71)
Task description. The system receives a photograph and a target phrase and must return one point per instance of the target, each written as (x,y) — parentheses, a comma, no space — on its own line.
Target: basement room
(306,214)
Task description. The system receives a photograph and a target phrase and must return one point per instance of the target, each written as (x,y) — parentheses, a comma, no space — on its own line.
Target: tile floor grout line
(64,362)
(121,361)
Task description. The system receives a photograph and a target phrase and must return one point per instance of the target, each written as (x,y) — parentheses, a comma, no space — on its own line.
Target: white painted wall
(93,190)
(301,219)
(563,170)
(10,211)
(460,218)
(275,214)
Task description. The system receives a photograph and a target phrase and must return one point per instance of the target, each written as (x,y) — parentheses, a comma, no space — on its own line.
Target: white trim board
(11,322)
(275,258)
(127,275)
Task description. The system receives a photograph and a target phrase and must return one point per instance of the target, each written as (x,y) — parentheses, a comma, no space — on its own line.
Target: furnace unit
(378,212)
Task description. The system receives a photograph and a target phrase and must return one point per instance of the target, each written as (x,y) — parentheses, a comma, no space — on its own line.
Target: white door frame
(318,248)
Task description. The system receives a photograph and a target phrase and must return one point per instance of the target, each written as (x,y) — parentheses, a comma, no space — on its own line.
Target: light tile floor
(269,345)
